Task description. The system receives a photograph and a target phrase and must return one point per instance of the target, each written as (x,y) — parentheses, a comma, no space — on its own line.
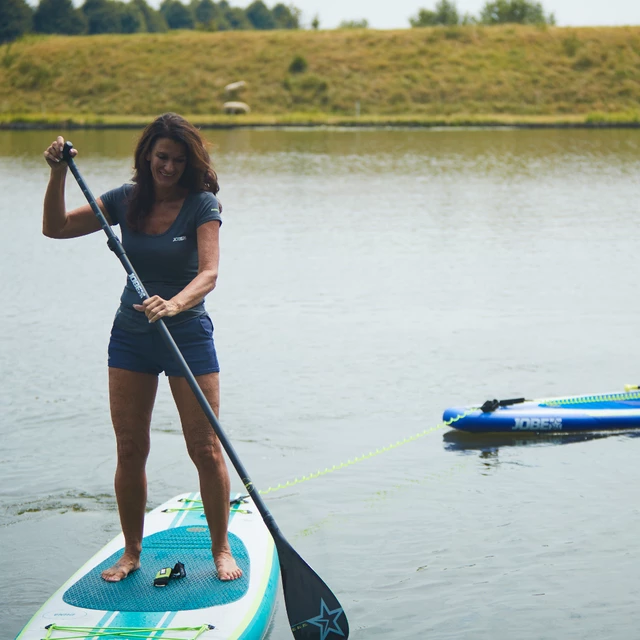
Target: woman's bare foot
(226,566)
(121,569)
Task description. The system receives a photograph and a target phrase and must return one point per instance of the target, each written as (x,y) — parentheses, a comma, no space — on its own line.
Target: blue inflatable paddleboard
(599,412)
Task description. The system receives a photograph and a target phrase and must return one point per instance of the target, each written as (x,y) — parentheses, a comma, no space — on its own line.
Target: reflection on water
(491,443)
(102,144)
(489,446)
(460,149)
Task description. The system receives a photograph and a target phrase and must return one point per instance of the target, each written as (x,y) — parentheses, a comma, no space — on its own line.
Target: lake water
(368,280)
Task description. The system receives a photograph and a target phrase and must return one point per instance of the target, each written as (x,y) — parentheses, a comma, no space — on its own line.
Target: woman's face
(168,160)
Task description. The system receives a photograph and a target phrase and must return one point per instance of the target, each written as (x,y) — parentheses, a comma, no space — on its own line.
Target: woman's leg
(131,397)
(205,451)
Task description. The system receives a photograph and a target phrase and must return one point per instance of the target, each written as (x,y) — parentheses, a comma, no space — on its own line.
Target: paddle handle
(116,246)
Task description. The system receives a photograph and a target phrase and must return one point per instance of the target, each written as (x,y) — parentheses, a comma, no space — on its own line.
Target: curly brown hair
(198,174)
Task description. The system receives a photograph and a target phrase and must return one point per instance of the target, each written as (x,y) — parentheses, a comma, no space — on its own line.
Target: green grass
(470,75)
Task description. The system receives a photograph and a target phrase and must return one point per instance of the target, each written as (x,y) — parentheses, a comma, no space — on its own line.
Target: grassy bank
(433,76)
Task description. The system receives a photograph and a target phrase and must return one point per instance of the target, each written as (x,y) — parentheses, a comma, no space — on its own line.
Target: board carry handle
(492,405)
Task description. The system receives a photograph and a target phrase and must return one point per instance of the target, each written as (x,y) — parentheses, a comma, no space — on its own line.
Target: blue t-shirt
(165,263)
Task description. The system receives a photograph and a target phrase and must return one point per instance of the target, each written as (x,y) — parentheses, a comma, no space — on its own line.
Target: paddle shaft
(116,246)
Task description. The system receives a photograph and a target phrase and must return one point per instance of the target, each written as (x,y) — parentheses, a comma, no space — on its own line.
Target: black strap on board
(492,405)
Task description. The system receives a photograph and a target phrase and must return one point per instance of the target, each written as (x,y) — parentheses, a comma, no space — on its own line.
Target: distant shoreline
(317,121)
(470,76)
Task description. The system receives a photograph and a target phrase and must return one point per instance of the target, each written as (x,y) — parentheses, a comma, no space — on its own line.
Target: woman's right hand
(53,155)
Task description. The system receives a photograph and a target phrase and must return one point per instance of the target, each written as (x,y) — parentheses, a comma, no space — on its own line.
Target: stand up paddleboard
(193,603)
(599,412)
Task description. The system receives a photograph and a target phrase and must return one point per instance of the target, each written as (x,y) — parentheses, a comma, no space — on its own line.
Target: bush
(354,24)
(571,45)
(298,65)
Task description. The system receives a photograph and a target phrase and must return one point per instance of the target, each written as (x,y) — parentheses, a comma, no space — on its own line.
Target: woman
(170,220)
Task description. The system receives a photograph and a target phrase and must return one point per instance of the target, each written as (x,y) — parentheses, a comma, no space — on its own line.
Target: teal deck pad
(200,589)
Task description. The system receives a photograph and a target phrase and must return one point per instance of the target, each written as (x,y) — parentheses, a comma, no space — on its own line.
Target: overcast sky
(384,14)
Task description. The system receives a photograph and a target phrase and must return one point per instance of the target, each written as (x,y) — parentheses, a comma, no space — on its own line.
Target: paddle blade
(314,612)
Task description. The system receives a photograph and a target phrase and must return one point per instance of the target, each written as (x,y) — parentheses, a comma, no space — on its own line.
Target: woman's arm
(57,222)
(208,260)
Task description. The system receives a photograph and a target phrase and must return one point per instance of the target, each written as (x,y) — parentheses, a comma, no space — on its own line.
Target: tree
(177,15)
(15,19)
(205,11)
(103,16)
(131,18)
(259,15)
(445,13)
(59,16)
(235,17)
(112,16)
(515,11)
(154,21)
(286,17)
(315,23)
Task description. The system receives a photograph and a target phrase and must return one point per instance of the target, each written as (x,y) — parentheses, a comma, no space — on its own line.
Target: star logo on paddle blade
(327,621)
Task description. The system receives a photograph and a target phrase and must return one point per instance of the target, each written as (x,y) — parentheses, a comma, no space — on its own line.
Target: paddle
(314,612)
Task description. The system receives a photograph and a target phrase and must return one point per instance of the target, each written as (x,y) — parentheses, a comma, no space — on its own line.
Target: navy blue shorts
(148,353)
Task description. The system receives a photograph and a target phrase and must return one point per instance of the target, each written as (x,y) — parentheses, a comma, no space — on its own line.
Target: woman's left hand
(156,308)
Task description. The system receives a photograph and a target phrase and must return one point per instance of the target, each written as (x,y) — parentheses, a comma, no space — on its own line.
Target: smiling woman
(167,161)
(169,219)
